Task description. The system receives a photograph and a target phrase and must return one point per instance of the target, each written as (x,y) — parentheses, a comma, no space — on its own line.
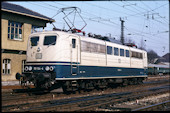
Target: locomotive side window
(92,47)
(116,51)
(102,49)
(127,53)
(109,50)
(84,46)
(121,52)
(137,55)
(50,40)
(141,56)
(34,41)
(73,43)
(134,54)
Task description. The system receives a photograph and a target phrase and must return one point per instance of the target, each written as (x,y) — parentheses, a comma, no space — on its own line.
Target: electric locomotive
(68,60)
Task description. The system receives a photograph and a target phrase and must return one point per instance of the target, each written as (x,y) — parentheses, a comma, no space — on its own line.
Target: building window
(109,50)
(6,66)
(14,30)
(23,63)
(121,52)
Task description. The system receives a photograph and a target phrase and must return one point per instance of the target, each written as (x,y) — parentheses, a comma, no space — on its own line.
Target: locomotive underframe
(86,84)
(40,80)
(47,81)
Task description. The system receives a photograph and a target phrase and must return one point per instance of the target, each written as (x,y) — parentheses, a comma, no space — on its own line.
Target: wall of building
(15,50)
(14,44)
(16,65)
(16,59)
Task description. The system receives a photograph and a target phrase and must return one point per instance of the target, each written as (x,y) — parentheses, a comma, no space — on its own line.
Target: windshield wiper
(51,44)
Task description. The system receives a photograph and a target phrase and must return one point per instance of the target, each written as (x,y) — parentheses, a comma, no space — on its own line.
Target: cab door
(75,54)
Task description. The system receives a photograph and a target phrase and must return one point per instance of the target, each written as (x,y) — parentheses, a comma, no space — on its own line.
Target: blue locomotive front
(43,76)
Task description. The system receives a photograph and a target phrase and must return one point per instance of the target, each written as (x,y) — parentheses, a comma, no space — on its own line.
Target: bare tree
(152,55)
(142,44)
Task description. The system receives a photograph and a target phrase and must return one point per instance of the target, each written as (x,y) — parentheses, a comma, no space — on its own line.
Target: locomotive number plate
(38,56)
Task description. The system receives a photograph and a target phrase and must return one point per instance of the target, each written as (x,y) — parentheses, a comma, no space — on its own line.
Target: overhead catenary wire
(41,6)
(130,10)
(68,5)
(152,39)
(153,11)
(107,21)
(90,19)
(148,10)
(99,21)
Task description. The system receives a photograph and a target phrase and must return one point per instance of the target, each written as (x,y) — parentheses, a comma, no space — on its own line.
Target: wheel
(140,80)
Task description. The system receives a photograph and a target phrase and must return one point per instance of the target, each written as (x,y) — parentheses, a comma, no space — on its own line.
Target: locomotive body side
(57,57)
(97,64)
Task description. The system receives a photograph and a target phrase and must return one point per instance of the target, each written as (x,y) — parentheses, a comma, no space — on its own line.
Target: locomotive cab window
(34,41)
(50,40)
(73,43)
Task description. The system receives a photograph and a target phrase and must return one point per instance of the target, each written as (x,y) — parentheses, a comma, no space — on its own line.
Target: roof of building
(167,57)
(5,6)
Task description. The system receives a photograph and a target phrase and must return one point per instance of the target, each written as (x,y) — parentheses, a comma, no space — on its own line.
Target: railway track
(147,103)
(25,98)
(88,103)
(28,95)
(156,107)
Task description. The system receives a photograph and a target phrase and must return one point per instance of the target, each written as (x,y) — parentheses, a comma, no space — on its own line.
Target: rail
(82,102)
(152,107)
(88,103)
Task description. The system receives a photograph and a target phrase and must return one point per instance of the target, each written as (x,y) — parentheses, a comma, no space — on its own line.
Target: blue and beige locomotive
(68,60)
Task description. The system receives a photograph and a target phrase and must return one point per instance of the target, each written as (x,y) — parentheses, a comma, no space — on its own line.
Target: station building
(17,23)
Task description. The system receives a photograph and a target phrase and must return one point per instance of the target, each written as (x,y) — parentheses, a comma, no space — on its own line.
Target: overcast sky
(145,21)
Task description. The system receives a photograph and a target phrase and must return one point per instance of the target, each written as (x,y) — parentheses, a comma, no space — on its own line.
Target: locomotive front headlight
(26,68)
(30,68)
(47,68)
(51,68)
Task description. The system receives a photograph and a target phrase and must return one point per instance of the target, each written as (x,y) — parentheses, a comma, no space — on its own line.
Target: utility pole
(122,31)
